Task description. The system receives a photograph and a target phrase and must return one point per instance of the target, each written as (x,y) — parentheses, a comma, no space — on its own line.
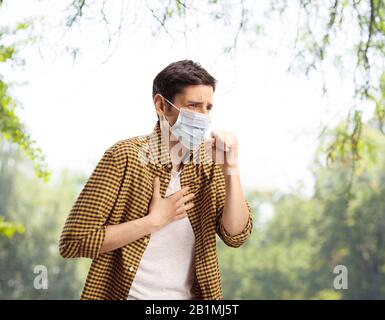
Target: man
(149,213)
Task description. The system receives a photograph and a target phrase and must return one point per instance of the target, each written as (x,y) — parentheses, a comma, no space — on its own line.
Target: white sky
(76,111)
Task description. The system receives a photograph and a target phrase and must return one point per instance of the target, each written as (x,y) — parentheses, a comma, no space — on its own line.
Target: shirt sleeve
(230,240)
(84,230)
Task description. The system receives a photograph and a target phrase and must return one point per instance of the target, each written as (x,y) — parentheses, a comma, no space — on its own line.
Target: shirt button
(131,269)
(169,166)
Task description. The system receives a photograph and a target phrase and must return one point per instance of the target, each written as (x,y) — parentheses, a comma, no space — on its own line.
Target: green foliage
(380,101)
(11,127)
(293,255)
(41,208)
(6,53)
(349,35)
(8,229)
(322,29)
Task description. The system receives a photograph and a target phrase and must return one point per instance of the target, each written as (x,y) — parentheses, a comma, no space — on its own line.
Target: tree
(11,127)
(353,223)
(294,254)
(340,34)
(42,208)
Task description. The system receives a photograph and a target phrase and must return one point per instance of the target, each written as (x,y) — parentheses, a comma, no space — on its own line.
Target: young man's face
(197,98)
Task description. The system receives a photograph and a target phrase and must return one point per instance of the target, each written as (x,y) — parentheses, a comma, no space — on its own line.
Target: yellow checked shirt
(120,189)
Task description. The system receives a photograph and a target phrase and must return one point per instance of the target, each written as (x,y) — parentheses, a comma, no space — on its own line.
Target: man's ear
(159,114)
(159,104)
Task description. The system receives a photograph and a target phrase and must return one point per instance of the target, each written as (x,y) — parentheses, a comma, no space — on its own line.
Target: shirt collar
(159,153)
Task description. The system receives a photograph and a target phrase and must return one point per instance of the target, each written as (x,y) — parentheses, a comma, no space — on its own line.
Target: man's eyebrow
(198,102)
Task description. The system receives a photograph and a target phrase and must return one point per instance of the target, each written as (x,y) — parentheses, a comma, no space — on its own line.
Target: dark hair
(178,75)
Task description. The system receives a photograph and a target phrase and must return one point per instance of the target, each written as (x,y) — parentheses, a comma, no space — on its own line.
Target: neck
(176,160)
(177,164)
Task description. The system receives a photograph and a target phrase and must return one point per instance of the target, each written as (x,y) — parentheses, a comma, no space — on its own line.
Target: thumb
(156,190)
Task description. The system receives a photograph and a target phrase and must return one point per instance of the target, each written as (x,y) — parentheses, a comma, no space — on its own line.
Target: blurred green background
(297,239)
(290,256)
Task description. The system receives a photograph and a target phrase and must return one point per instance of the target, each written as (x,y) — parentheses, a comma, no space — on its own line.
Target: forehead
(198,93)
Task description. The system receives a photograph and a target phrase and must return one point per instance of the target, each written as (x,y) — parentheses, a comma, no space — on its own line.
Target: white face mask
(190,127)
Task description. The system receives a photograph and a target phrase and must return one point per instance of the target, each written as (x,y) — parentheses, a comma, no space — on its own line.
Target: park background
(301,83)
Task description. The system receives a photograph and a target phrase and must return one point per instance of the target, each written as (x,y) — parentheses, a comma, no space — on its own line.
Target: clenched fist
(222,147)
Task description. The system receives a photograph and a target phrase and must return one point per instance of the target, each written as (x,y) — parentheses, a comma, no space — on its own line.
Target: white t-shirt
(167,268)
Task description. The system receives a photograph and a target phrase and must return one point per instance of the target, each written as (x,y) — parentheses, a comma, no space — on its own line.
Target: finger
(219,140)
(229,141)
(179,194)
(188,197)
(180,216)
(156,189)
(184,207)
(218,135)
(185,199)
(180,209)
(226,146)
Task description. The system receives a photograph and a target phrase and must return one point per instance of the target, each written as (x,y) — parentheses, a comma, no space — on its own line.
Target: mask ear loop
(171,105)
(182,164)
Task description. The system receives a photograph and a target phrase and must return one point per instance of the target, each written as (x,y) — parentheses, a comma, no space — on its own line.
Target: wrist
(150,223)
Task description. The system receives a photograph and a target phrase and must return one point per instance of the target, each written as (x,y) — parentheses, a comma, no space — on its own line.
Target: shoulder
(127,150)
